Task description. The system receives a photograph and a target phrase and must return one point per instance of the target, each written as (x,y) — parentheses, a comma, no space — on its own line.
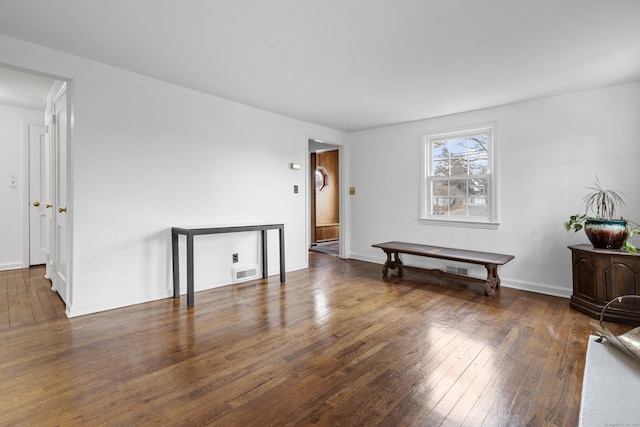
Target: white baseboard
(11,266)
(76,310)
(539,288)
(367,258)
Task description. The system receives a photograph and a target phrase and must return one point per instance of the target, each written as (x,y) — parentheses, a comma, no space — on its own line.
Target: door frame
(310,186)
(58,90)
(70,89)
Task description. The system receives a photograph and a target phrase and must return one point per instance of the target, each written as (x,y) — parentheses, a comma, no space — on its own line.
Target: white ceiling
(350,64)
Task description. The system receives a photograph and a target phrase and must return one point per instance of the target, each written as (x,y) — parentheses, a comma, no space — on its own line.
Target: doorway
(40,103)
(325,194)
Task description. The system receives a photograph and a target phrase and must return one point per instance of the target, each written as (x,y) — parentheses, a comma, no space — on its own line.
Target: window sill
(485,225)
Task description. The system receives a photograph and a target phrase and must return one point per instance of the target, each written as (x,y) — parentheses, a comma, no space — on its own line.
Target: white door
(60,264)
(37,195)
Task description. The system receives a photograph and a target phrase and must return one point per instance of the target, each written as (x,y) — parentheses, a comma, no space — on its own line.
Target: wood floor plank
(497,378)
(5,319)
(335,345)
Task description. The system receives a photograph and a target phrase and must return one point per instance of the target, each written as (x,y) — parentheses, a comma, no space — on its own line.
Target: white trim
(24,205)
(539,288)
(493,221)
(11,266)
(488,225)
(342,192)
(69,85)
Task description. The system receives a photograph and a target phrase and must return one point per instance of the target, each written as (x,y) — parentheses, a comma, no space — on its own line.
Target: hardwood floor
(26,298)
(330,248)
(335,345)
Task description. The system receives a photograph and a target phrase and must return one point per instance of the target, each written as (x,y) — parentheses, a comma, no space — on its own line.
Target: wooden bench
(491,261)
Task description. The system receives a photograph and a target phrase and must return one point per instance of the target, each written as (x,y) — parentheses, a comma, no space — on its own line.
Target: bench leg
(385,268)
(397,263)
(493,281)
(392,262)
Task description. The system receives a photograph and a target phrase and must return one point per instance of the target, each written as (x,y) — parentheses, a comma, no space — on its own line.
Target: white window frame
(491,221)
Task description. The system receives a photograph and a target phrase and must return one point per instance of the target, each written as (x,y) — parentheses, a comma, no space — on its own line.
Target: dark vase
(606,233)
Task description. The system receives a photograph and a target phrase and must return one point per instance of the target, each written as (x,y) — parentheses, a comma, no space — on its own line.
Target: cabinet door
(584,278)
(621,278)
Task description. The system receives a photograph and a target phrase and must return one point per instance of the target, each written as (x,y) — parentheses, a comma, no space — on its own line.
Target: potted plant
(604,230)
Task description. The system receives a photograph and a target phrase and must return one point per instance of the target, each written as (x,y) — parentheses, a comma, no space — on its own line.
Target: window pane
(477,145)
(458,147)
(477,206)
(458,187)
(440,150)
(441,168)
(478,187)
(440,206)
(478,166)
(458,206)
(459,166)
(477,154)
(440,188)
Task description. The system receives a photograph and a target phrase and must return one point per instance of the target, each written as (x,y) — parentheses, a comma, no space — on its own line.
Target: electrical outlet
(234,257)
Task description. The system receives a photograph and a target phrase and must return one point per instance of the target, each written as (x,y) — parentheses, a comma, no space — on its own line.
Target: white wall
(13,199)
(550,149)
(147,155)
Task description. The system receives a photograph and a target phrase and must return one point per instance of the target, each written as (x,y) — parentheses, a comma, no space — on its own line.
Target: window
(459,186)
(322,178)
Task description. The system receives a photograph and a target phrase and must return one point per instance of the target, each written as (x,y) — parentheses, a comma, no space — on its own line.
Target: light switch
(352,191)
(295,189)
(13,182)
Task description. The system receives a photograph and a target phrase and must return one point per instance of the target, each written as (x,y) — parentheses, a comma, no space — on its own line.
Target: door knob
(48,206)
(62,210)
(36,203)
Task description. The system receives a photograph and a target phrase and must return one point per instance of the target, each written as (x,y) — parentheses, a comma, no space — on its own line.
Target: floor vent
(457,270)
(241,274)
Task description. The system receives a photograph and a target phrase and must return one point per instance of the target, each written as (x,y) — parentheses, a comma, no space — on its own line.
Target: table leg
(282,272)
(190,290)
(176,268)
(265,264)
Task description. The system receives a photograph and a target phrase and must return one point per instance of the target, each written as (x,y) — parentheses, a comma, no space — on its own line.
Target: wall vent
(457,270)
(242,274)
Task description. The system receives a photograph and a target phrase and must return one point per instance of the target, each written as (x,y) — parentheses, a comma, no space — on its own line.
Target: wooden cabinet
(600,275)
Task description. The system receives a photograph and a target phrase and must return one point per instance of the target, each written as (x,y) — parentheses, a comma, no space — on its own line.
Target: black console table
(189,232)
